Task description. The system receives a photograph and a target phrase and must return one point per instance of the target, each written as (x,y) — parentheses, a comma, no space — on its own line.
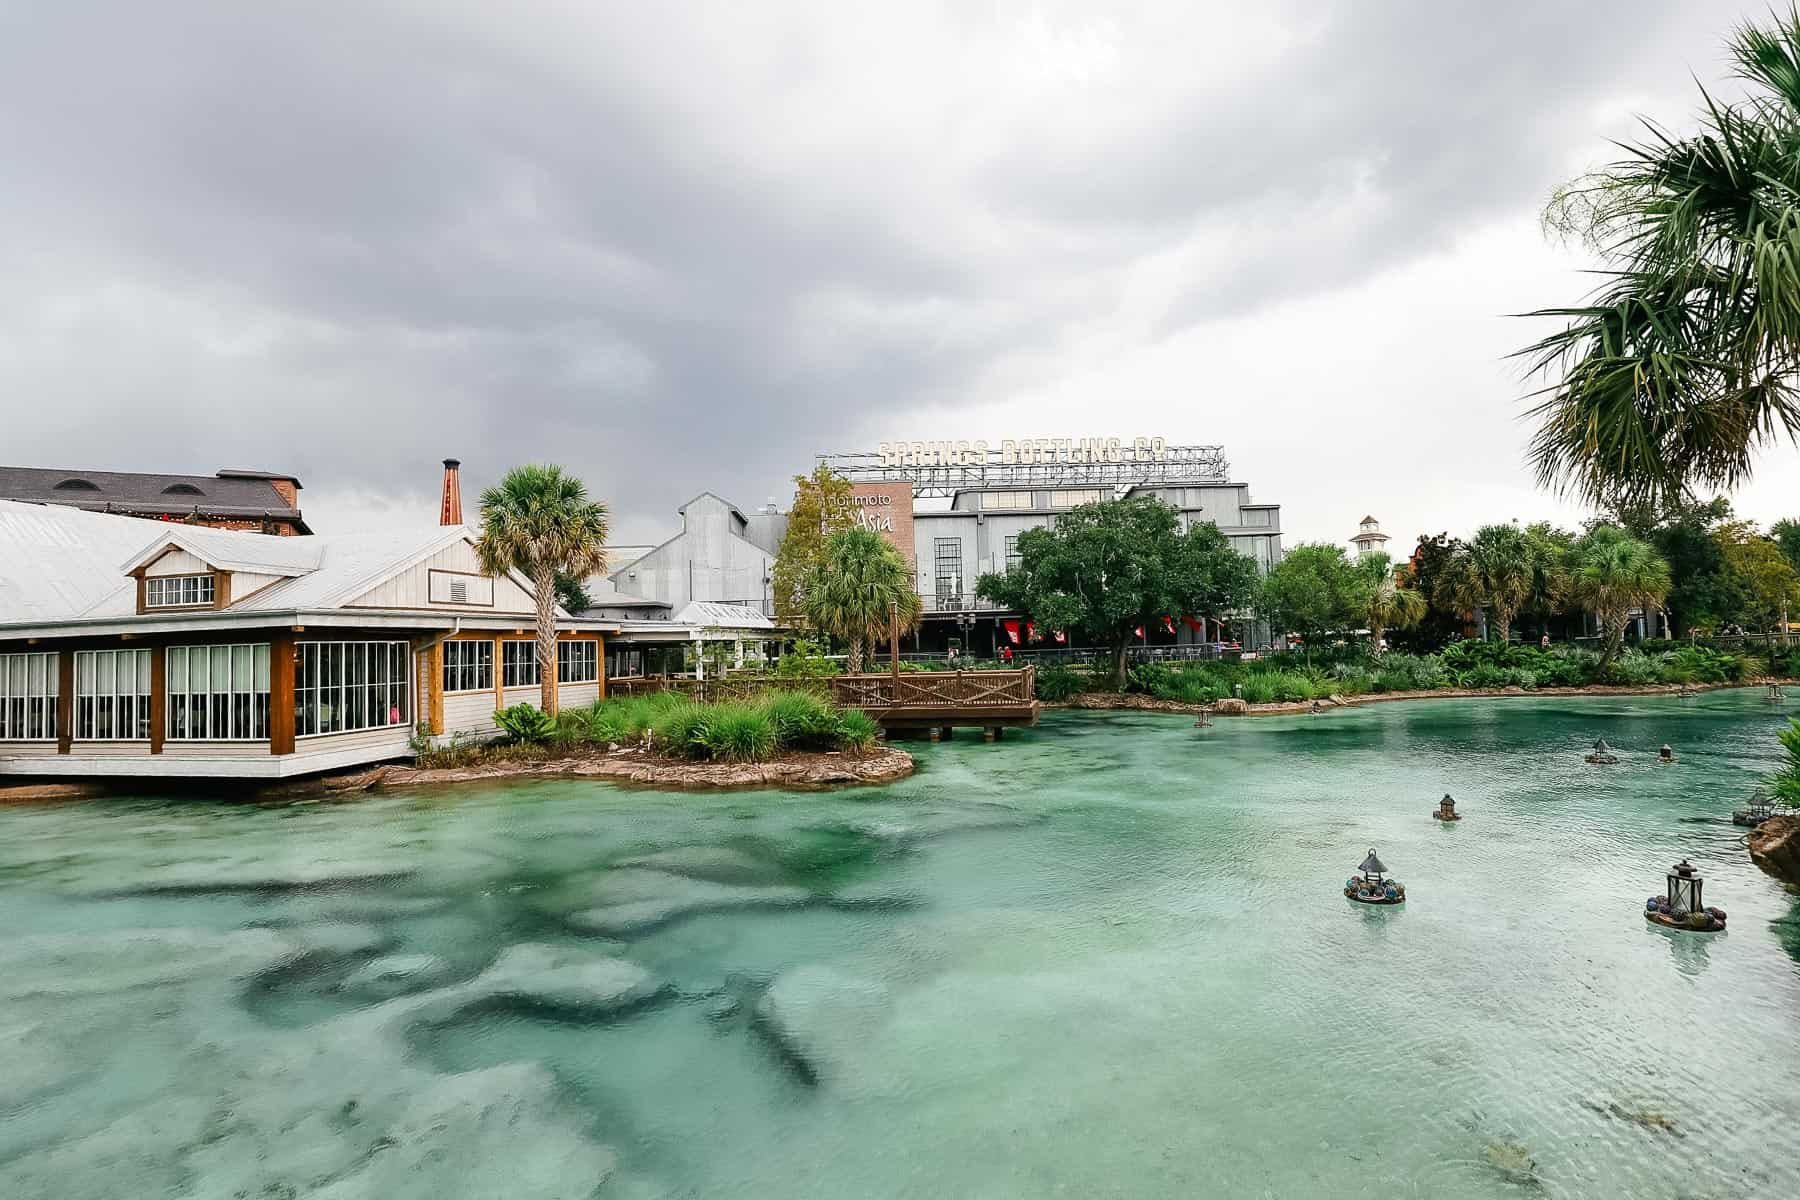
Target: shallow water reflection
(1107,957)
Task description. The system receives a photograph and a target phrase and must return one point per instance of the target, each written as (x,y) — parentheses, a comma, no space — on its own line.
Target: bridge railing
(937,689)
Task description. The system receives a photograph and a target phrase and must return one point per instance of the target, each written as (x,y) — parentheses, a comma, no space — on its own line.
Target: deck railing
(937,689)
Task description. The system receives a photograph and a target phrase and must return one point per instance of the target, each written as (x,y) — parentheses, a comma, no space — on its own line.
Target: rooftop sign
(943,467)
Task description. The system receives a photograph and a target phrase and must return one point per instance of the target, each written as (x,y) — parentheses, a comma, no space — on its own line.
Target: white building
(136,647)
(1369,539)
(722,555)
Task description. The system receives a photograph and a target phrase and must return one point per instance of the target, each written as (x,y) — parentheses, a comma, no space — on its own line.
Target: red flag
(1030,632)
(1169,624)
(1194,625)
(1061,636)
(1012,631)
(1138,632)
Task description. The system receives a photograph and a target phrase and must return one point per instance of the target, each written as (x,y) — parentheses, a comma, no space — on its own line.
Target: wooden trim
(140,595)
(281,693)
(221,589)
(500,673)
(600,666)
(65,701)
(159,697)
(437,688)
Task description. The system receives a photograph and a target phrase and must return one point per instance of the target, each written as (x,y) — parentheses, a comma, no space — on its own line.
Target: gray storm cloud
(689,247)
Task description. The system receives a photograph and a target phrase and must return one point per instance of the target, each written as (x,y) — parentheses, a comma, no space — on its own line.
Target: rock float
(883,765)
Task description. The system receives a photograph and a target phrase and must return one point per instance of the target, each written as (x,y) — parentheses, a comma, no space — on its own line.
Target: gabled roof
(735,510)
(233,550)
(247,494)
(62,564)
(710,614)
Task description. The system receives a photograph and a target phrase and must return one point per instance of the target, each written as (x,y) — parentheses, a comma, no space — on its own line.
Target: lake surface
(1107,957)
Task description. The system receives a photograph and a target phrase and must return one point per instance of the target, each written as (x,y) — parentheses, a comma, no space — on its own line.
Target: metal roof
(1372,865)
(710,615)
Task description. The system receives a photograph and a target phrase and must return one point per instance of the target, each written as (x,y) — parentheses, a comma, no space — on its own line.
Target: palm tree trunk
(1503,620)
(855,657)
(545,586)
(1376,629)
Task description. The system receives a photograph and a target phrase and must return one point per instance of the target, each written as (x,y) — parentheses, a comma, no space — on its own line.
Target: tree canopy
(1313,590)
(1108,569)
(1611,573)
(821,508)
(855,590)
(539,521)
(1684,361)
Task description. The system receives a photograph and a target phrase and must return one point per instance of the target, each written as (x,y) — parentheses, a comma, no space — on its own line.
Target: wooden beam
(65,700)
(281,693)
(159,697)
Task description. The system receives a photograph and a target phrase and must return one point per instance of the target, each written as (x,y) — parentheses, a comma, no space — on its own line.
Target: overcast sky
(688,246)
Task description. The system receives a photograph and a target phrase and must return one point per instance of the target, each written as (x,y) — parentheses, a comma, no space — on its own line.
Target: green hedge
(724,731)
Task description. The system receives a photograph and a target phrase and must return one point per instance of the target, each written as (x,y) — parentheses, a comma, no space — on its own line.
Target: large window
(1013,558)
(28,696)
(469,666)
(1077,497)
(1006,499)
(218,693)
(519,666)
(112,695)
(178,591)
(577,661)
(344,686)
(946,556)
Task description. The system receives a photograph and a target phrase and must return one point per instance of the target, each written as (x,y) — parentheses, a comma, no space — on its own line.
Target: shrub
(1483,675)
(1634,668)
(1260,687)
(1059,683)
(806,659)
(676,729)
(733,731)
(1412,672)
(1150,678)
(801,720)
(525,723)
(857,730)
(1353,679)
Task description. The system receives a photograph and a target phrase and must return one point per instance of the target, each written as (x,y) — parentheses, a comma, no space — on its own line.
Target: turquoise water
(1107,957)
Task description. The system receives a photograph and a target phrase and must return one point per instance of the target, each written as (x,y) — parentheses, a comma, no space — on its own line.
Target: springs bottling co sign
(1011,452)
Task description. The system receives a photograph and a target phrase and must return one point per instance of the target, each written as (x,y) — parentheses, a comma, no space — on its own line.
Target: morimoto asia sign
(887,509)
(1022,451)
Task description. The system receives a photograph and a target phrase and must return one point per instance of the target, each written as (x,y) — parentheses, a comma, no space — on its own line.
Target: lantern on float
(1684,889)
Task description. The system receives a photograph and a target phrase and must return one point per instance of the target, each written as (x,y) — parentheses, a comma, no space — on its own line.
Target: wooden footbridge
(901,702)
(940,701)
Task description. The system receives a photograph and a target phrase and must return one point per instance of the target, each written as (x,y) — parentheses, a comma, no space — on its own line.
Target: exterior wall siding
(711,552)
(412,588)
(469,712)
(179,562)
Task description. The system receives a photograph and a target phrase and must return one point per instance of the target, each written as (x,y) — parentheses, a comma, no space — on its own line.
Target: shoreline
(1127,701)
(821,770)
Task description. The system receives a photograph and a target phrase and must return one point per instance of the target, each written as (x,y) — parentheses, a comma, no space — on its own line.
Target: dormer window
(76,485)
(182,489)
(178,591)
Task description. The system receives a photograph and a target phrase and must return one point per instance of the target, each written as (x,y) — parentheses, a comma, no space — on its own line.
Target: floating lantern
(1680,907)
(1602,754)
(1666,755)
(1372,886)
(1446,809)
(1776,695)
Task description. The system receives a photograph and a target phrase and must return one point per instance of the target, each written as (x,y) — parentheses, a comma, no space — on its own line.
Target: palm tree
(1683,363)
(856,587)
(1493,571)
(1387,605)
(539,522)
(1611,573)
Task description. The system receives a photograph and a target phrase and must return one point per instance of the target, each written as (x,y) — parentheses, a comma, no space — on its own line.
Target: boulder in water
(1775,847)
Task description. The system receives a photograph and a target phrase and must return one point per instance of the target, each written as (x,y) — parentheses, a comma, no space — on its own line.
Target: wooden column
(600,663)
(435,665)
(159,697)
(499,673)
(65,700)
(281,694)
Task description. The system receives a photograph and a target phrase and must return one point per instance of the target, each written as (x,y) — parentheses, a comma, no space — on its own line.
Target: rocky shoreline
(881,765)
(1775,847)
(1243,708)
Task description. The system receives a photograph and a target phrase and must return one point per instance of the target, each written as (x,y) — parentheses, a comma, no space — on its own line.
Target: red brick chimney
(450,511)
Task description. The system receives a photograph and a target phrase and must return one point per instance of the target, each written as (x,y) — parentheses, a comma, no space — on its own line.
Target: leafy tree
(821,508)
(1704,593)
(1787,535)
(1442,623)
(1497,571)
(1385,604)
(1785,781)
(539,522)
(572,594)
(1313,590)
(1684,361)
(1108,568)
(1611,573)
(854,590)
(1549,580)
(1771,585)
